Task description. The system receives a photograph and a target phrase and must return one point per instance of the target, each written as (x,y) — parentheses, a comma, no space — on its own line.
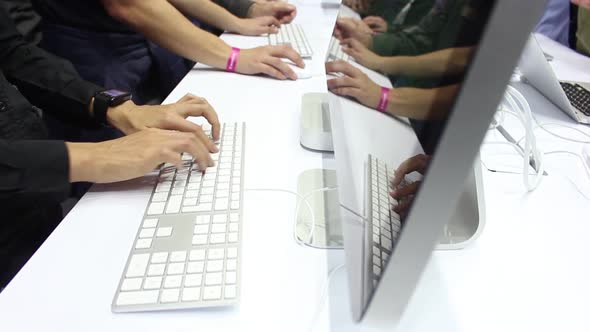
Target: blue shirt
(555,23)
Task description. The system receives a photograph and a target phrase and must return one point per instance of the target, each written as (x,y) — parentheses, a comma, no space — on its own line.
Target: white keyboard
(385,223)
(335,51)
(186,254)
(292,34)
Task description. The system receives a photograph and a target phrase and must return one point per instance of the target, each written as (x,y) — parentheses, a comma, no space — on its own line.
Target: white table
(527,272)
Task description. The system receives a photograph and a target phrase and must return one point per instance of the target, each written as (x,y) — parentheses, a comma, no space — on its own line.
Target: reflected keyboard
(292,34)
(384,222)
(186,253)
(335,51)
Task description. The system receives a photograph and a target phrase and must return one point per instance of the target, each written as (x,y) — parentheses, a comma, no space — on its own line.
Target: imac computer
(467,50)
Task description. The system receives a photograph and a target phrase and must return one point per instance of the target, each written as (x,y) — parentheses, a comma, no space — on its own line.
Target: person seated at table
(439,26)
(388,16)
(404,191)
(146,47)
(35,173)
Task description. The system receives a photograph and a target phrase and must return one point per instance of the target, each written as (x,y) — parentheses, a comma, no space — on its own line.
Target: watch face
(113,93)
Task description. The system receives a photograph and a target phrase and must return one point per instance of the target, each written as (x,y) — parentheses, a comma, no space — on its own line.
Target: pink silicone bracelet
(233,60)
(382,107)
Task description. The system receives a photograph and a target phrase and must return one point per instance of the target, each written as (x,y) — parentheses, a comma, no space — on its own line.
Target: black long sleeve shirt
(30,76)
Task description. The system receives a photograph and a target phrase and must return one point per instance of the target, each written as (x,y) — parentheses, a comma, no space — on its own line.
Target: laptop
(571,97)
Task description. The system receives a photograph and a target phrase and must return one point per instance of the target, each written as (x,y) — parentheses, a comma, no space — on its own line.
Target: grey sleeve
(237,7)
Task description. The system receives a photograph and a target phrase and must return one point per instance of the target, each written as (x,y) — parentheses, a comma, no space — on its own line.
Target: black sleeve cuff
(34,167)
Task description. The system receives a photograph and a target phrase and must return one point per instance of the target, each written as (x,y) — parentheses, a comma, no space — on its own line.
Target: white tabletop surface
(528,271)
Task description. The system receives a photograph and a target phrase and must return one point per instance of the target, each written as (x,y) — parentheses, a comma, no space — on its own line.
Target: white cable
(323,296)
(544,125)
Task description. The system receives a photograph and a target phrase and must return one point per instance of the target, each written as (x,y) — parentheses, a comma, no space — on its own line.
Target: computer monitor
(389,241)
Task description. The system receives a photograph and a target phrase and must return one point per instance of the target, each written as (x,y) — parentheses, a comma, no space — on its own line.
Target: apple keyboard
(335,51)
(186,253)
(293,35)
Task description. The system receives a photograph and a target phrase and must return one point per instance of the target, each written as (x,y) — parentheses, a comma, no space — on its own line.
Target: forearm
(208,12)
(422,104)
(166,26)
(452,61)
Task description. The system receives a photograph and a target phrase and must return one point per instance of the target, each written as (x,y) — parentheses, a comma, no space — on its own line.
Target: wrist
(120,117)
(80,156)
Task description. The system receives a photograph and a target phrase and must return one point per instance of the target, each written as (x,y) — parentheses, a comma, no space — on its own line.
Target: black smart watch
(105,99)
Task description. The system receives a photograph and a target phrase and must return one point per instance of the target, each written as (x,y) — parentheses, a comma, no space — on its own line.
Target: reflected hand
(403,191)
(257,26)
(133,156)
(376,23)
(267,60)
(350,28)
(362,54)
(354,84)
(282,11)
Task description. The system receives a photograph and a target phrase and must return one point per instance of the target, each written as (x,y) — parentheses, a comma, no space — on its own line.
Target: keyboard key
(230,292)
(199,240)
(232,237)
(195,267)
(207,191)
(214,265)
(170,295)
(221,204)
(220,219)
(191,280)
(174,203)
(216,253)
(204,207)
(232,252)
(234,217)
(212,293)
(230,277)
(217,238)
(197,255)
(213,278)
(206,199)
(149,223)
(177,191)
(201,229)
(208,184)
(235,205)
(231,265)
(218,228)
(143,243)
(173,281)
(156,269)
(190,201)
(147,232)
(191,193)
(160,197)
(138,297)
(178,256)
(152,283)
(131,284)
(159,257)
(234,227)
(164,232)
(156,208)
(193,186)
(191,294)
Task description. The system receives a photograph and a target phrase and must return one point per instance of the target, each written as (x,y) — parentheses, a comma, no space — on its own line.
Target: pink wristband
(233,60)
(382,106)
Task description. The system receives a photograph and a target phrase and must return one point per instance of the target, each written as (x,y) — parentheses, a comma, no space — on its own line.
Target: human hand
(282,11)
(376,23)
(130,118)
(362,54)
(257,26)
(354,84)
(133,155)
(583,3)
(348,28)
(405,192)
(267,60)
